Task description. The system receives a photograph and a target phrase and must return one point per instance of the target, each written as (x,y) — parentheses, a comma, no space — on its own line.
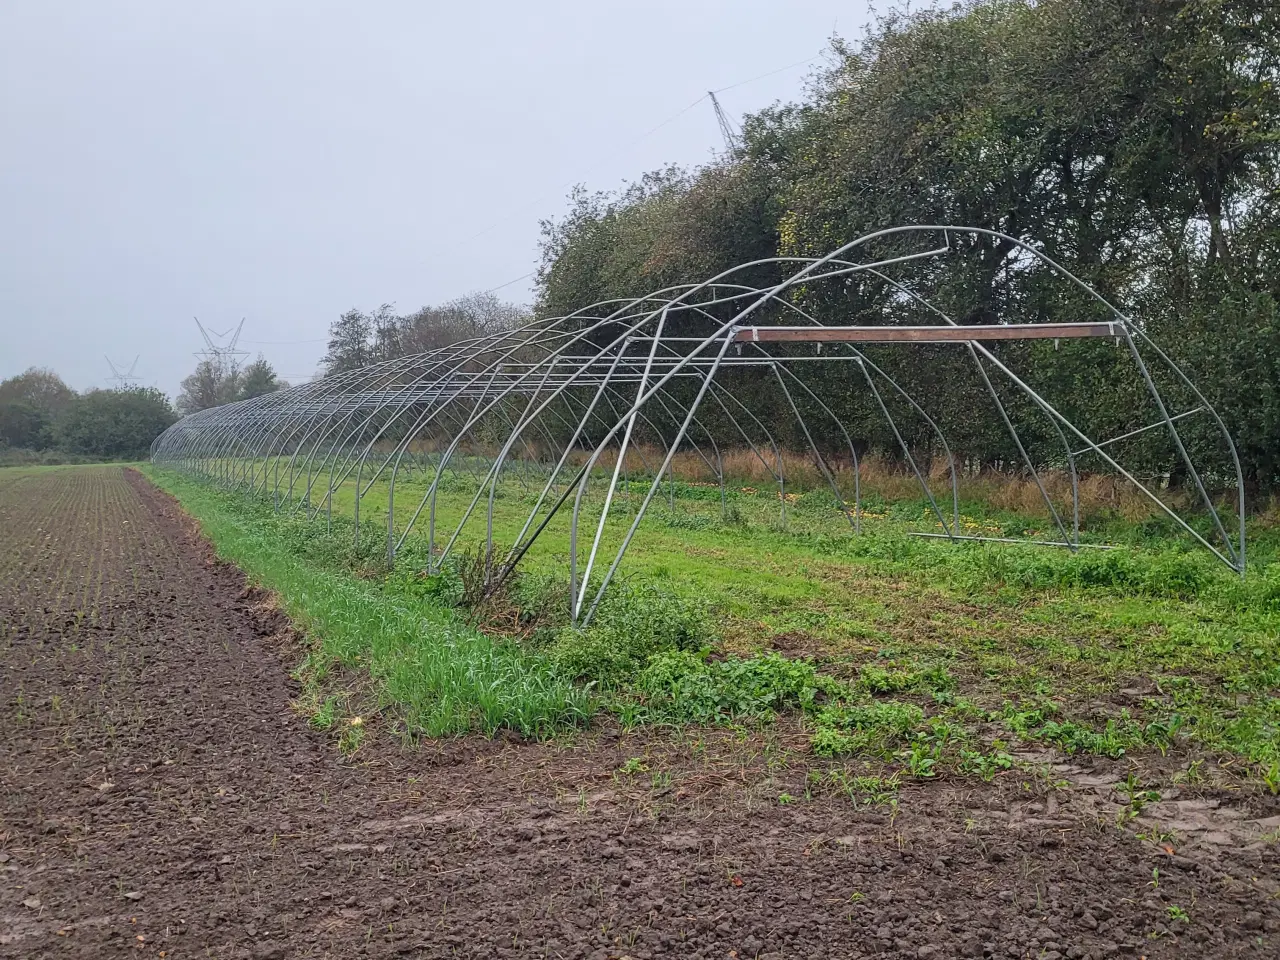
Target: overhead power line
(790,66)
(283,342)
(509,282)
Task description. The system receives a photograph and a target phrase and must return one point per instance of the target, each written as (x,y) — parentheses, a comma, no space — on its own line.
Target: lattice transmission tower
(225,354)
(728,129)
(124,379)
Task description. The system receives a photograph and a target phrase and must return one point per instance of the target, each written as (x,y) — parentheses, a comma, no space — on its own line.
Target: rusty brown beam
(1008,331)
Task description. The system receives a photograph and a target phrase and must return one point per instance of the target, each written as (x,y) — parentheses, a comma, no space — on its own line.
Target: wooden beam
(1002,331)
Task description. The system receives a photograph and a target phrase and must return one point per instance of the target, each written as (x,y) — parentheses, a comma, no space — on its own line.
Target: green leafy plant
(921,759)
(985,765)
(1271,777)
(877,728)
(632,625)
(632,766)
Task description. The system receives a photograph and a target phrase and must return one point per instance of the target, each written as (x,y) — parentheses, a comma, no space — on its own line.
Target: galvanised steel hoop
(550,399)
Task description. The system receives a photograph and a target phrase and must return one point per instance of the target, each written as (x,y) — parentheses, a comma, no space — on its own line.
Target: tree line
(41,418)
(357,338)
(1135,141)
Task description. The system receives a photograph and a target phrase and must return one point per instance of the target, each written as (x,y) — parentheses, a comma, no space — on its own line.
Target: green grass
(928,654)
(448,677)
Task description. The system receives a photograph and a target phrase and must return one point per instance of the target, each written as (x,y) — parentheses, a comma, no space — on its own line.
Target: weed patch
(631,626)
(683,687)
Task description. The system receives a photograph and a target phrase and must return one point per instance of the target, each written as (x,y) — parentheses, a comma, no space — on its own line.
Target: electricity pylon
(732,137)
(225,355)
(124,380)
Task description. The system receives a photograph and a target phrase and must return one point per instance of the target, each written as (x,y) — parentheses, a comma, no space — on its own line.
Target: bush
(118,424)
(1260,592)
(410,578)
(22,424)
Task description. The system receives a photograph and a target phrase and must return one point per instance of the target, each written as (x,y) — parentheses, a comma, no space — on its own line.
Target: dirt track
(161,798)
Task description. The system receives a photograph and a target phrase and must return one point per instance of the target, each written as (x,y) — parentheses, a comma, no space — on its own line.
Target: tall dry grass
(895,481)
(879,476)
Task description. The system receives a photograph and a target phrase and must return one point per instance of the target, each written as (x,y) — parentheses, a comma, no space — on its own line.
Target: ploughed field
(165,790)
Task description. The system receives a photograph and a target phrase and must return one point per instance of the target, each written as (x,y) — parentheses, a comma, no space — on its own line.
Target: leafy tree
(22,424)
(386,334)
(40,387)
(350,346)
(114,424)
(465,318)
(259,378)
(357,339)
(211,384)
(29,403)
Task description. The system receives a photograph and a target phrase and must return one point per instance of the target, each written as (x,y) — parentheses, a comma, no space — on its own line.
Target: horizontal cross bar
(1000,331)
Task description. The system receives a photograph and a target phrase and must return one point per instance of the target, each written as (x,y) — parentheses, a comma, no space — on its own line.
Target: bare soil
(161,797)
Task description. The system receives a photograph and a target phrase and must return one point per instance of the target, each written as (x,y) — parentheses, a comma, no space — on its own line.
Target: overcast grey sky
(283,161)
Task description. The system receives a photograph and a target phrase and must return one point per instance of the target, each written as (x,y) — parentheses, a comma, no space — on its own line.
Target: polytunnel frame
(621,341)
(460,385)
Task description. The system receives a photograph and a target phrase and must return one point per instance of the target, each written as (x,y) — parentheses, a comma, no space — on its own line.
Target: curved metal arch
(554,382)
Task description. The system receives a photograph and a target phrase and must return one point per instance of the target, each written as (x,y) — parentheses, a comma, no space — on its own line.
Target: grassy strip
(449,677)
